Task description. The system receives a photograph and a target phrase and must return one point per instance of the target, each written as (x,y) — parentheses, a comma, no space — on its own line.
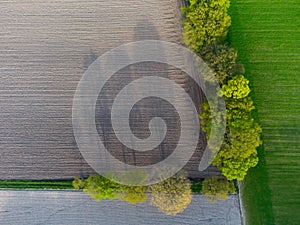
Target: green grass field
(35,184)
(267,37)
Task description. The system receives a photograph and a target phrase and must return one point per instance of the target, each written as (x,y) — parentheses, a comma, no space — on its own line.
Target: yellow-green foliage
(171,196)
(238,152)
(133,194)
(78,183)
(100,188)
(205,26)
(221,59)
(217,188)
(205,22)
(236,88)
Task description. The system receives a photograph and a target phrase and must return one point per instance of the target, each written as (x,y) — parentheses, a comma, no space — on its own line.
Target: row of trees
(99,188)
(238,152)
(205,28)
(170,196)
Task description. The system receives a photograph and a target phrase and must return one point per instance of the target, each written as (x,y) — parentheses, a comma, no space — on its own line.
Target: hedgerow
(170,196)
(206,25)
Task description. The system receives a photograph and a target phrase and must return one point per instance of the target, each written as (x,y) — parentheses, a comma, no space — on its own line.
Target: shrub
(206,22)
(217,188)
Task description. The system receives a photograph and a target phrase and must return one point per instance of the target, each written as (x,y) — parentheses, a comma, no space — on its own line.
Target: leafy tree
(238,114)
(245,138)
(236,88)
(99,187)
(236,168)
(238,152)
(221,59)
(171,196)
(206,22)
(217,188)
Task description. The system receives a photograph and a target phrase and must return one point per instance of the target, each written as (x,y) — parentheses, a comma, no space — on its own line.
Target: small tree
(236,88)
(217,188)
(171,196)
(238,152)
(206,22)
(99,187)
(237,168)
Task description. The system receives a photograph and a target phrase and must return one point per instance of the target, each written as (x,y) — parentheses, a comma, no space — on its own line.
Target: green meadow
(266,35)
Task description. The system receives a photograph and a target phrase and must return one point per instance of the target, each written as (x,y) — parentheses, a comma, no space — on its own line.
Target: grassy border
(255,190)
(36,184)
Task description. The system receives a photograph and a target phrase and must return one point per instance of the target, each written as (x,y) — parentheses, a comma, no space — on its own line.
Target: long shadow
(146,109)
(142,112)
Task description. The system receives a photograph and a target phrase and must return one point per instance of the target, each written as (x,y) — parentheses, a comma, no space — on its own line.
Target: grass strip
(36,184)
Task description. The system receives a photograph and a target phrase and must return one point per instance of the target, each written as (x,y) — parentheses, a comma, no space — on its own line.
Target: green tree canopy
(99,187)
(205,22)
(237,168)
(78,183)
(221,59)
(133,194)
(217,188)
(239,112)
(236,88)
(238,153)
(171,196)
